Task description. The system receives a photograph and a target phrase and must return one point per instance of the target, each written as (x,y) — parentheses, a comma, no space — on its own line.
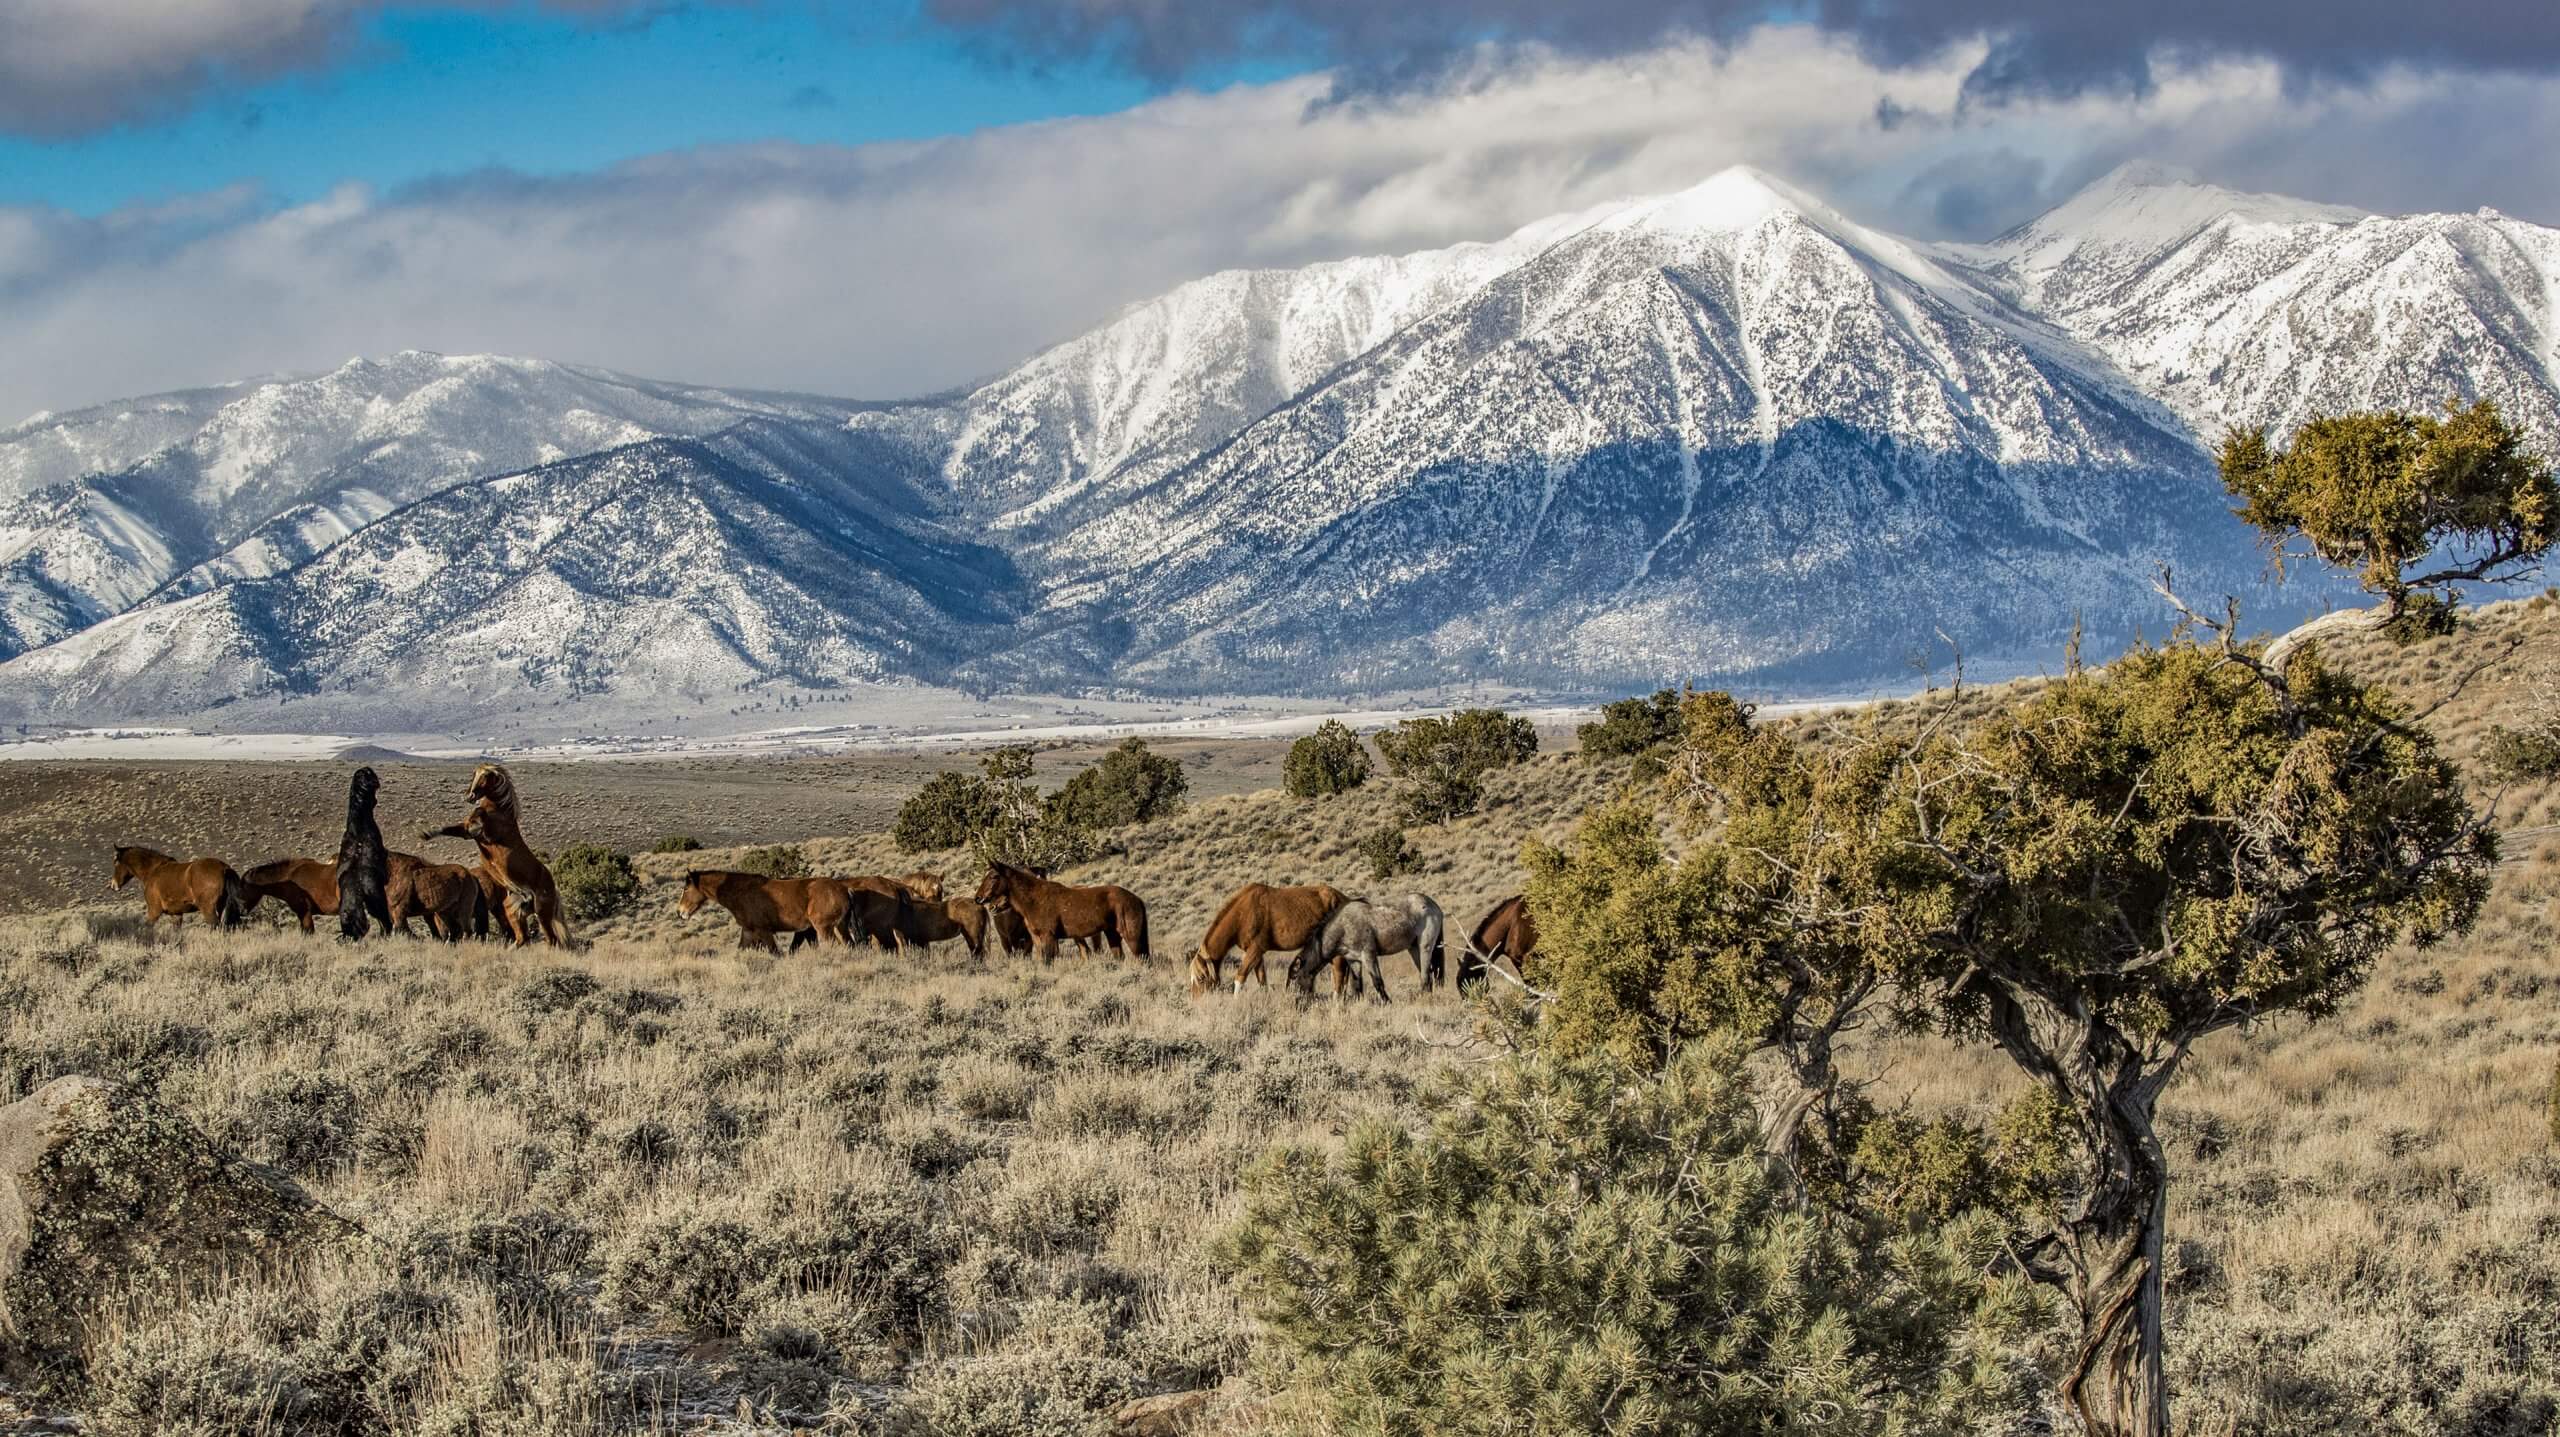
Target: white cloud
(901,268)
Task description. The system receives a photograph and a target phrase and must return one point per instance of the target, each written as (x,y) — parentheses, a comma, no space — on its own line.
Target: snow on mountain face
(1721,433)
(179,479)
(1724,431)
(677,567)
(2238,309)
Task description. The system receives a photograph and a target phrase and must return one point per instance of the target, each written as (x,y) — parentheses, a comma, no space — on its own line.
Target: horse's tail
(1434,962)
(233,908)
(1134,925)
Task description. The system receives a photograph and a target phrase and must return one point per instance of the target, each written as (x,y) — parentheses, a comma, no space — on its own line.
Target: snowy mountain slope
(2251,309)
(1727,433)
(1718,432)
(674,567)
(180,479)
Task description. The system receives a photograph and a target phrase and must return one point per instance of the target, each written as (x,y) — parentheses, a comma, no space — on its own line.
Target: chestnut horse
(531,897)
(1052,910)
(875,910)
(305,886)
(1260,919)
(925,924)
(1506,932)
(767,906)
(172,889)
(447,895)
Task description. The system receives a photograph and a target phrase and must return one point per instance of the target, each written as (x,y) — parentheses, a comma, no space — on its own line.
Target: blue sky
(426,91)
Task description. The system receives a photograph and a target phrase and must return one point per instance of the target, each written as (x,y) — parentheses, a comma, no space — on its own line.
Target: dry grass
(2365,1222)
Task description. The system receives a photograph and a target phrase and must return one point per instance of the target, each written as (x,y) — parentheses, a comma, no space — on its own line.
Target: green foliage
(950,810)
(1130,785)
(1444,760)
(595,881)
(677,843)
(2380,492)
(1632,726)
(2422,616)
(1329,761)
(1388,853)
(781,860)
(2515,755)
(1576,1246)
(1436,797)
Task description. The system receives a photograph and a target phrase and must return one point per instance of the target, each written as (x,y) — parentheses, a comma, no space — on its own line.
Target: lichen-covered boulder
(104,1191)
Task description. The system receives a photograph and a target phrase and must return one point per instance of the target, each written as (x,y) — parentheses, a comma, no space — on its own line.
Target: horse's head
(697,891)
(128,866)
(927,886)
(491,782)
(360,792)
(994,890)
(1203,974)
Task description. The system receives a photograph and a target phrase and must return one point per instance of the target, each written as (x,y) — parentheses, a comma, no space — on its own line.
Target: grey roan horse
(1364,930)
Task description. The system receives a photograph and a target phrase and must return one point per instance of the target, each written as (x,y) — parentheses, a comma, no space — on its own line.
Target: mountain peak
(1735,197)
(2144,202)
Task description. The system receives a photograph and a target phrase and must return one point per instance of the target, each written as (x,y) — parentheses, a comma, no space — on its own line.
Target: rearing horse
(1051,910)
(531,896)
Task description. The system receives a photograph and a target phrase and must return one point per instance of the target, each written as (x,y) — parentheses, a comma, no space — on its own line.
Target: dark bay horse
(1052,910)
(1506,932)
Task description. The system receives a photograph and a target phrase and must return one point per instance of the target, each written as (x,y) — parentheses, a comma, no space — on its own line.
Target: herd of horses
(1023,910)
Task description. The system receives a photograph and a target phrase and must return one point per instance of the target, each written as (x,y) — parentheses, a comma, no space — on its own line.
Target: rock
(1169,1414)
(103,1190)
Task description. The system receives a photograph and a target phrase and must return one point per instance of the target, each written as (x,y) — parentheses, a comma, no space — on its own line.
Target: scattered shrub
(302,1123)
(781,860)
(1444,760)
(1058,1375)
(1581,1246)
(948,812)
(595,881)
(1632,726)
(1329,761)
(265,1360)
(1130,785)
(1388,853)
(677,843)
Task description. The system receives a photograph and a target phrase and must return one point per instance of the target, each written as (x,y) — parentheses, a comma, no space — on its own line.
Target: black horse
(364,863)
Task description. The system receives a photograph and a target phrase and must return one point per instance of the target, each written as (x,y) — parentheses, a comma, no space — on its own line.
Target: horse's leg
(1377,980)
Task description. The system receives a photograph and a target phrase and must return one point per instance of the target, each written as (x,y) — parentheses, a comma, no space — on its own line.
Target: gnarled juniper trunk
(2112,1242)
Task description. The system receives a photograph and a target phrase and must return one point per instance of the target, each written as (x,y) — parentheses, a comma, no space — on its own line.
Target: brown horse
(305,886)
(447,895)
(1009,930)
(922,887)
(1052,910)
(925,924)
(767,906)
(174,889)
(1506,932)
(532,899)
(1260,919)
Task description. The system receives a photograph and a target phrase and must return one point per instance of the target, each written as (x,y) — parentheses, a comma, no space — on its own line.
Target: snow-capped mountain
(103,507)
(1722,433)
(2242,309)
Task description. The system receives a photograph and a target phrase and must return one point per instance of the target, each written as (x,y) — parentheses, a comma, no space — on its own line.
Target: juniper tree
(1444,760)
(2415,504)
(1130,785)
(1326,762)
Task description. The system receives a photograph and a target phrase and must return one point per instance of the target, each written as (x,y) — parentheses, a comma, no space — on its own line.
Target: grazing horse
(767,906)
(171,889)
(305,886)
(1052,910)
(875,911)
(1364,930)
(447,895)
(1506,932)
(1260,919)
(364,862)
(531,897)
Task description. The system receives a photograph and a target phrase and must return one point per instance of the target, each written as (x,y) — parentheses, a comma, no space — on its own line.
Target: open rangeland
(657,1185)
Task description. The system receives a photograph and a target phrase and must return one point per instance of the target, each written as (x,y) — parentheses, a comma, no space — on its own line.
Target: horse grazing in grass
(364,862)
(447,895)
(765,906)
(1260,919)
(1364,930)
(532,899)
(1506,932)
(305,886)
(1052,910)
(173,889)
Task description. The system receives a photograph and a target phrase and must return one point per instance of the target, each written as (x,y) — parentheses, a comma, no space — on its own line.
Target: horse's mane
(136,850)
(501,794)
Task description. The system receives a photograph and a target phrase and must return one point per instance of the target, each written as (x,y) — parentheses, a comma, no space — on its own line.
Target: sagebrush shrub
(677,843)
(1058,1375)
(781,860)
(1388,853)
